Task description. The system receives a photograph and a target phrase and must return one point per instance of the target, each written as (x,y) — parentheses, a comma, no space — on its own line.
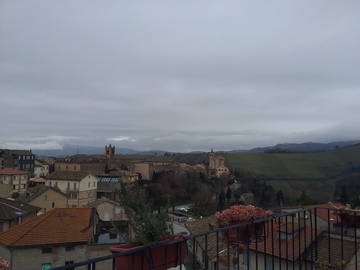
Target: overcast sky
(178,75)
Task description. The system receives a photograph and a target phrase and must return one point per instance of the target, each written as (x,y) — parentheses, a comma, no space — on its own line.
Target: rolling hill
(298,166)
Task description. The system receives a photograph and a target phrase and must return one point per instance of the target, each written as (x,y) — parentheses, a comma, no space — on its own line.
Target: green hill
(298,166)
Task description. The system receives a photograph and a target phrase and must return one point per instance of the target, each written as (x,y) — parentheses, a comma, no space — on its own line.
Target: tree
(344,195)
(228,194)
(221,201)
(305,199)
(237,195)
(280,198)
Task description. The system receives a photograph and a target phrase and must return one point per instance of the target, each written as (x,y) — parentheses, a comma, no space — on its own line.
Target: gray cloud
(178,75)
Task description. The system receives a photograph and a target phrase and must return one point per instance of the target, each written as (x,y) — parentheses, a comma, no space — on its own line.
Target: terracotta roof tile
(10,209)
(276,244)
(58,226)
(11,171)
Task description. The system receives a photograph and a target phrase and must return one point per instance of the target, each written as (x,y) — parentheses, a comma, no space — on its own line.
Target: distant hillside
(69,150)
(299,166)
(300,147)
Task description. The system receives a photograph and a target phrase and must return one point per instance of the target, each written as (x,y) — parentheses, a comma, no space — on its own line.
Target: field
(297,166)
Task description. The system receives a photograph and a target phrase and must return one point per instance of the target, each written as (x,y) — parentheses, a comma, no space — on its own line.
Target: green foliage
(148,225)
(228,194)
(305,199)
(348,189)
(280,198)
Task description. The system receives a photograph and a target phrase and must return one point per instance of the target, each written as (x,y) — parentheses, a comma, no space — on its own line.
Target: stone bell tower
(109,151)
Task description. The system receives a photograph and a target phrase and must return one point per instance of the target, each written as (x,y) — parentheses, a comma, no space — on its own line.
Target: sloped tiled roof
(40,189)
(11,171)
(97,202)
(70,176)
(346,247)
(276,246)
(58,226)
(10,209)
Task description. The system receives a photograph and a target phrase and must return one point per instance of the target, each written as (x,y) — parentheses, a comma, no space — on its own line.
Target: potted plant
(148,227)
(4,264)
(350,218)
(239,214)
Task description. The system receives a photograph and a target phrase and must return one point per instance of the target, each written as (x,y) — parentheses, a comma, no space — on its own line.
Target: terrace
(311,238)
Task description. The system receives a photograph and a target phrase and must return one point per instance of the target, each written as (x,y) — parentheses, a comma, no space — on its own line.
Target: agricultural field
(297,166)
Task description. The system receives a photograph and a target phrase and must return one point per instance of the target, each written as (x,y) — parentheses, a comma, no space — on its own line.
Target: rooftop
(40,189)
(10,209)
(11,171)
(58,226)
(65,175)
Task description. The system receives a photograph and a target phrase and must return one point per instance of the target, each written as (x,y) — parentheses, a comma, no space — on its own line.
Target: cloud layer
(178,75)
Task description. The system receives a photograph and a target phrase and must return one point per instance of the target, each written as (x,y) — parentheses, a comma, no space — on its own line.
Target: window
(50,183)
(94,184)
(46,250)
(53,204)
(68,185)
(74,186)
(113,235)
(56,184)
(69,248)
(269,265)
(69,262)
(89,184)
(45,266)
(246,258)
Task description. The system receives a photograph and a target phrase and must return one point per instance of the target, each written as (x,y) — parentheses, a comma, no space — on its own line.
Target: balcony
(311,238)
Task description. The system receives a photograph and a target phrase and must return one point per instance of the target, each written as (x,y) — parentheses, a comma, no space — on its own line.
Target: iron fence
(311,238)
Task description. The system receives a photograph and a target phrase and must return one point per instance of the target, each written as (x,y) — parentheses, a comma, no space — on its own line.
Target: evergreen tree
(280,197)
(221,201)
(344,195)
(305,199)
(228,194)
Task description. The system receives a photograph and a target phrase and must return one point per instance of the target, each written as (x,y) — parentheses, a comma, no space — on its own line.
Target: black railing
(312,238)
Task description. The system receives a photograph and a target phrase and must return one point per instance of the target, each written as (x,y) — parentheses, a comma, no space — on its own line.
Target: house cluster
(56,211)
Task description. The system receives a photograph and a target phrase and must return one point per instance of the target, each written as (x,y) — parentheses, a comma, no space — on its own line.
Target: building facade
(217,166)
(16,180)
(146,170)
(47,198)
(41,169)
(18,159)
(42,243)
(89,167)
(80,187)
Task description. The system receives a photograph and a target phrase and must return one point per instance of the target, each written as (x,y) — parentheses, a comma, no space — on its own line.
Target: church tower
(109,151)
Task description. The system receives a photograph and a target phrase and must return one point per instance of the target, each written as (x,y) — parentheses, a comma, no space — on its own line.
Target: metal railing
(311,238)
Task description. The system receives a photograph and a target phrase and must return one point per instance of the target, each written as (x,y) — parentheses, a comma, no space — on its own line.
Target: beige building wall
(80,193)
(50,199)
(18,183)
(5,190)
(66,166)
(111,212)
(95,168)
(145,169)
